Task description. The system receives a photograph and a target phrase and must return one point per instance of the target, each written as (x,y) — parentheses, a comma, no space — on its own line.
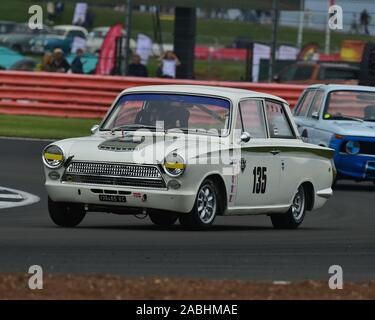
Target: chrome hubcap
(298,205)
(206,204)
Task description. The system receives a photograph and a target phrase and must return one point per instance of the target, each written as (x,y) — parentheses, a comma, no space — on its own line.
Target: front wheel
(206,207)
(65,215)
(163,219)
(295,215)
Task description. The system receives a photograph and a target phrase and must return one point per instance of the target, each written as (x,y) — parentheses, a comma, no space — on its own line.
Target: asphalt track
(342,233)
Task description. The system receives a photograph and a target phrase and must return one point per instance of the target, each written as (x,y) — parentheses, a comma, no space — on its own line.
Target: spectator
(77,65)
(169,63)
(365,21)
(50,11)
(46,64)
(59,63)
(59,8)
(90,18)
(136,68)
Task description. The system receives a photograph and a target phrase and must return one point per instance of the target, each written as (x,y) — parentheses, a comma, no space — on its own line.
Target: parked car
(19,38)
(8,57)
(95,39)
(189,153)
(7,27)
(341,117)
(61,37)
(309,72)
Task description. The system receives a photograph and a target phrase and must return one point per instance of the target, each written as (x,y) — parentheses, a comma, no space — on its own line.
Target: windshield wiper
(195,130)
(342,117)
(134,127)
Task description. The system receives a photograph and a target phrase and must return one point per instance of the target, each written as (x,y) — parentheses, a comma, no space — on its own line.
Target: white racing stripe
(8,197)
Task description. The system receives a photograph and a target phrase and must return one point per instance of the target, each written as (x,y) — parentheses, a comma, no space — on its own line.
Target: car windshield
(188,113)
(350,105)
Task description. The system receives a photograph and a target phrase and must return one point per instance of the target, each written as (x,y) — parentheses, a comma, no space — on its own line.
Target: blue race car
(341,117)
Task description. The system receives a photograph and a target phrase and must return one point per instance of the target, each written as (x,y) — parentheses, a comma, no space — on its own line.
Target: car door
(301,110)
(312,133)
(285,142)
(258,179)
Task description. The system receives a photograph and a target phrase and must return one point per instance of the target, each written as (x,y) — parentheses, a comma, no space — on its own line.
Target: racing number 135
(260,179)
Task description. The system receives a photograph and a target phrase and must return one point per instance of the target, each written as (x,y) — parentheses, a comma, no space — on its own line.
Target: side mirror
(315,115)
(94,128)
(276,78)
(245,137)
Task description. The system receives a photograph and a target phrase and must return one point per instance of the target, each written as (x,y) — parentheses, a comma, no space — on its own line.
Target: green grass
(44,127)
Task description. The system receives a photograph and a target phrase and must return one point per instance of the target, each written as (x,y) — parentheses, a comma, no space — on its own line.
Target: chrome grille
(114,174)
(113,169)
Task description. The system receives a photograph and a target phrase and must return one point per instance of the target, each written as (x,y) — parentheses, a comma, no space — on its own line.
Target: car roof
(224,92)
(334,87)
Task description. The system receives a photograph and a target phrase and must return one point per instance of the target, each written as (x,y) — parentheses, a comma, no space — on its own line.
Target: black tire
(197,218)
(163,219)
(67,215)
(296,213)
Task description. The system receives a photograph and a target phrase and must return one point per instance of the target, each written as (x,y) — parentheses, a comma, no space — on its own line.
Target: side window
(305,103)
(277,121)
(317,103)
(252,118)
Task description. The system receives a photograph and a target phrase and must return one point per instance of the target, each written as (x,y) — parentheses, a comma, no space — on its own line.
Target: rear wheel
(163,219)
(206,207)
(66,215)
(296,213)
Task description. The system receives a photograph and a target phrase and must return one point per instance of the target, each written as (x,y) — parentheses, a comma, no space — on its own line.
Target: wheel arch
(310,194)
(219,181)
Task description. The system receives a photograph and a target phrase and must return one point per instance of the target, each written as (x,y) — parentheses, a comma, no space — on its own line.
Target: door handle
(275,152)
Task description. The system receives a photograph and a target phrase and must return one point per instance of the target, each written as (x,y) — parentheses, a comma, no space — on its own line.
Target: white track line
(28,198)
(10,196)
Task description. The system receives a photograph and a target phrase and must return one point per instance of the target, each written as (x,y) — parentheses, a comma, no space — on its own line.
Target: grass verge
(44,127)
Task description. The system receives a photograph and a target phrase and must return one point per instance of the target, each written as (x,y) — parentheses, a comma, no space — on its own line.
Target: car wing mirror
(245,137)
(315,115)
(94,128)
(276,78)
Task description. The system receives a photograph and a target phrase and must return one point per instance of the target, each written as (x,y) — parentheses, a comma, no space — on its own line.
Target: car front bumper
(164,199)
(358,167)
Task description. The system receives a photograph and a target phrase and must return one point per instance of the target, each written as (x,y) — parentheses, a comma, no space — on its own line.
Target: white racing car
(189,153)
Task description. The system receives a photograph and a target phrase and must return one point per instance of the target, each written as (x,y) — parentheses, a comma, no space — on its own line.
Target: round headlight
(352,147)
(53,157)
(174,165)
